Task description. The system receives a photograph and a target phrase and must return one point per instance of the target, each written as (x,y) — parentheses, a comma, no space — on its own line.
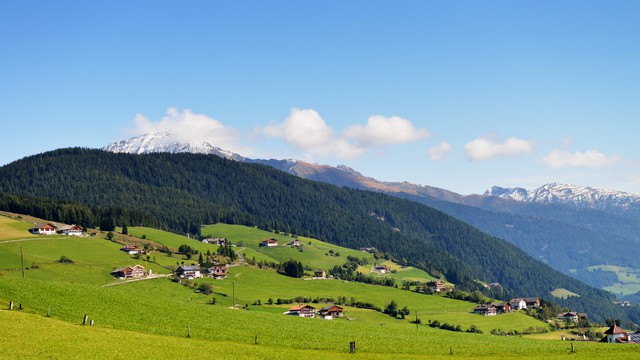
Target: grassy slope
(156,313)
(629,279)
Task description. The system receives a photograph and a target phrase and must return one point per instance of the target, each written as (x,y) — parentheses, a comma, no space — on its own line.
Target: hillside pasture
(14,229)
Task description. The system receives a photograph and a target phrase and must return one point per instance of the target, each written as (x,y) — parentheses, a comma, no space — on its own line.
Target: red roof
(300,307)
(615,329)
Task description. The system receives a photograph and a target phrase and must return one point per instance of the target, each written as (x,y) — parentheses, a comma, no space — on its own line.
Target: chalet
(43,229)
(331,312)
(615,334)
(269,242)
(532,302)
(436,286)
(320,274)
(74,230)
(188,271)
(368,249)
(217,271)
(502,307)
(382,269)
(132,249)
(215,241)
(129,272)
(294,243)
(518,304)
(303,311)
(572,316)
(487,310)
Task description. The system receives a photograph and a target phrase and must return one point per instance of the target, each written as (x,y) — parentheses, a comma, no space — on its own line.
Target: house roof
(300,307)
(326,308)
(189,268)
(615,329)
(40,226)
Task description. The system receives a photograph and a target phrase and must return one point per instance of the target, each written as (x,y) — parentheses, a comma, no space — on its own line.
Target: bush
(65,260)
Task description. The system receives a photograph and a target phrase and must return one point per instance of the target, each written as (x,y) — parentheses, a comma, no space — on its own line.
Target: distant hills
(180,192)
(569,227)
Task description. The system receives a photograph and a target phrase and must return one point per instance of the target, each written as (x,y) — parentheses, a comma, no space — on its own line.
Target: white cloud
(381,130)
(188,126)
(307,130)
(589,159)
(485,148)
(440,151)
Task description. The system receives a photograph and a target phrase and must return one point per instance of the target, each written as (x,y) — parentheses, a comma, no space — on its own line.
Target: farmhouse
(74,230)
(502,307)
(269,242)
(129,272)
(303,311)
(487,310)
(572,316)
(331,312)
(518,304)
(382,269)
(188,271)
(132,249)
(215,241)
(532,302)
(43,229)
(436,286)
(217,271)
(320,274)
(616,334)
(294,243)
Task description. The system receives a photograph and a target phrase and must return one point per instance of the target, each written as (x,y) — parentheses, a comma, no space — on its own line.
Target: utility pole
(234,294)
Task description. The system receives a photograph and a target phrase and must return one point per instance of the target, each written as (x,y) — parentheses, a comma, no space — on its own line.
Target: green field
(151,318)
(629,279)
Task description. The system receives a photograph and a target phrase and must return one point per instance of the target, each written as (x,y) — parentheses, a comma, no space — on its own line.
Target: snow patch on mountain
(160,142)
(580,196)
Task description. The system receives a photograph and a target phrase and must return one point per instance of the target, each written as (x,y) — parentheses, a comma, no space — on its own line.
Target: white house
(43,229)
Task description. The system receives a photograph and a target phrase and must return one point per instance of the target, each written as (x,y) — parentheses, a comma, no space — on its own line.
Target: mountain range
(572,228)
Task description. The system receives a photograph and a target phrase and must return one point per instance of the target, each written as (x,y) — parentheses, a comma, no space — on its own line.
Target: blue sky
(461,95)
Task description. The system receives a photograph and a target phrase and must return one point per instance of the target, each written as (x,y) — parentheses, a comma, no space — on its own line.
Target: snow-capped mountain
(164,142)
(579,196)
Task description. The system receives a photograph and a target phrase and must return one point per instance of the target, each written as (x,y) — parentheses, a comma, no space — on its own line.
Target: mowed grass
(314,253)
(563,293)
(150,318)
(128,312)
(14,229)
(93,260)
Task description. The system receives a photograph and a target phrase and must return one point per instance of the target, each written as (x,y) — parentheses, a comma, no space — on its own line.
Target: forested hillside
(179,192)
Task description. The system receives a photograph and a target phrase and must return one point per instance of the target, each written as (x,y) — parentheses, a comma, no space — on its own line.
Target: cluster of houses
(50,229)
(497,308)
(216,241)
(272,242)
(193,272)
(328,312)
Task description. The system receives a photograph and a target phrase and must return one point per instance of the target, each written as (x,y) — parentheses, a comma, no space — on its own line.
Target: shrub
(65,260)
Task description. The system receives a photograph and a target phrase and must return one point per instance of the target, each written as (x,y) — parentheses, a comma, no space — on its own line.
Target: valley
(161,311)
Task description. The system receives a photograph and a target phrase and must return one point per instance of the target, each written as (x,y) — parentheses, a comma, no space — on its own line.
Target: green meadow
(628,279)
(160,318)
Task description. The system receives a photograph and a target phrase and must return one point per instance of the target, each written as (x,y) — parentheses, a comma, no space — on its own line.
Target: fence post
(10,305)
(352,347)
(86,318)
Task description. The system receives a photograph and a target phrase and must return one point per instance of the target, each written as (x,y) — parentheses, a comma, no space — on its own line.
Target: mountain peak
(567,194)
(157,142)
